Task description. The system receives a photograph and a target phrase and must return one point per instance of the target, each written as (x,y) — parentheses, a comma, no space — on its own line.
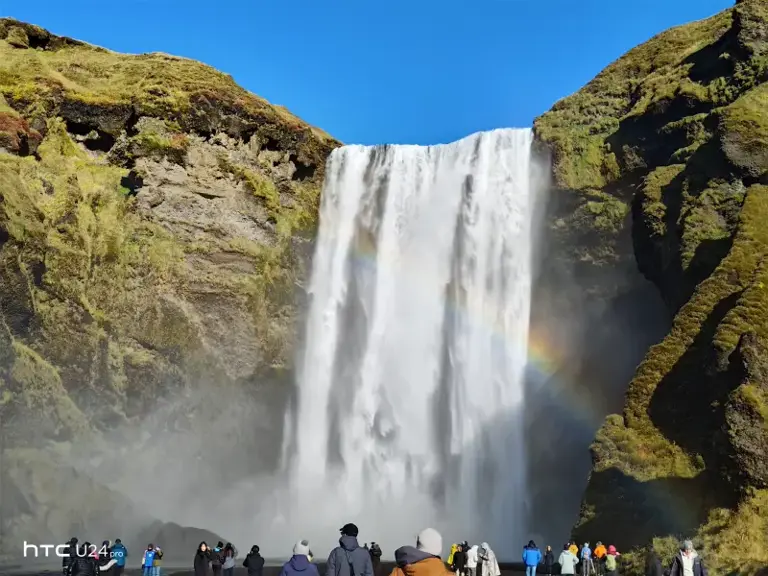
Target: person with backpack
(599,562)
(229,555)
(254,562)
(348,558)
(587,567)
(531,558)
(611,565)
(299,564)
(217,559)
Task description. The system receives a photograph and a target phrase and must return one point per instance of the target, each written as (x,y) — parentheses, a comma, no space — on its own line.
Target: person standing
(424,559)
(653,563)
(147,560)
(202,561)
(216,559)
(567,561)
(599,554)
(119,553)
(487,560)
(531,558)
(587,568)
(471,562)
(254,562)
(687,562)
(228,565)
(459,560)
(348,558)
(299,564)
(375,557)
(549,561)
(157,561)
(611,564)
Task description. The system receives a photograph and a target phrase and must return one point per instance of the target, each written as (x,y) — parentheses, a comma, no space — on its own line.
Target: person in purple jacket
(299,564)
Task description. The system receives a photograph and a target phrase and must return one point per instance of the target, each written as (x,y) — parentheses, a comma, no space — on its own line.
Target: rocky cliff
(663,159)
(155,222)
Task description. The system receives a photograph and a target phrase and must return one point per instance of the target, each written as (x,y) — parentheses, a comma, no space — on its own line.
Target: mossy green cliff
(675,134)
(155,220)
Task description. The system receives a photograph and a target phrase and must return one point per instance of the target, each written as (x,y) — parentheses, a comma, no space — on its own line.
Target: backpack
(216,558)
(610,562)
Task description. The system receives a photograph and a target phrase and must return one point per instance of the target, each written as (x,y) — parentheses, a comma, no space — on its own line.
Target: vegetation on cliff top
(105,304)
(678,130)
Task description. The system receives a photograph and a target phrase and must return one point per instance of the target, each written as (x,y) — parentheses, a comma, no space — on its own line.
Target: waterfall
(411,382)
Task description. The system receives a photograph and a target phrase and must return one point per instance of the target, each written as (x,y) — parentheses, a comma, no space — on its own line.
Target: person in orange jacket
(600,552)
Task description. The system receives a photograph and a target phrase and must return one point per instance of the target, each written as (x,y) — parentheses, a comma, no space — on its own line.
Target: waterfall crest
(411,384)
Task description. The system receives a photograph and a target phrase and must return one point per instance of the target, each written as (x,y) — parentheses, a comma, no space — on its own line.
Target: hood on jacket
(299,562)
(410,555)
(349,543)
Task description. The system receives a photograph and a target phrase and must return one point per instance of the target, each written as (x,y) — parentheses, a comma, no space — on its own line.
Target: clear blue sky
(370,72)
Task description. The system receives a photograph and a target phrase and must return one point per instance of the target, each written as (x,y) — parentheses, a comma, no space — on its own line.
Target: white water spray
(412,380)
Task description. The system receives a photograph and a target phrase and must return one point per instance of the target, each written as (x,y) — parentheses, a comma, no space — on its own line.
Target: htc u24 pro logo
(62,551)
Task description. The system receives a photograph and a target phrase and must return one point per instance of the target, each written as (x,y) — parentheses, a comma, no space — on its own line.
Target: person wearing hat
(611,564)
(424,559)
(687,562)
(299,564)
(348,558)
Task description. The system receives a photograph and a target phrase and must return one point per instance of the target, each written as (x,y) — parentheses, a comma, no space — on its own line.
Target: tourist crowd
(351,559)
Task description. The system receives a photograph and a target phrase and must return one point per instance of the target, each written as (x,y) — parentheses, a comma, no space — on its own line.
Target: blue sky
(371,72)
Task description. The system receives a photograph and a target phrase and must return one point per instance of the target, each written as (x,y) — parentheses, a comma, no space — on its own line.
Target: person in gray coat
(349,559)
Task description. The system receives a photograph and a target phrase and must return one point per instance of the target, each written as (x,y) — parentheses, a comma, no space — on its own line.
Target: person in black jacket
(70,555)
(202,562)
(375,557)
(254,562)
(653,563)
(84,563)
(459,560)
(687,556)
(549,561)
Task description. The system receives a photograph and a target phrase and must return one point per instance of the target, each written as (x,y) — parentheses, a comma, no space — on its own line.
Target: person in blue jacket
(119,553)
(531,558)
(148,560)
(299,564)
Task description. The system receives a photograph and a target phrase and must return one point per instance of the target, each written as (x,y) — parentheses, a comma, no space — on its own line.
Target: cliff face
(675,135)
(155,221)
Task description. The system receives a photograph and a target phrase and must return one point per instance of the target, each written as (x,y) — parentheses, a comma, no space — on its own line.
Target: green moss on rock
(675,129)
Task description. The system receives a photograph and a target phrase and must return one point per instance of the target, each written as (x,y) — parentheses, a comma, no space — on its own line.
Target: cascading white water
(412,379)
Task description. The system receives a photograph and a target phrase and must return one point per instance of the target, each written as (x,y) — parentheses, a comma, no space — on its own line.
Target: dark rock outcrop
(673,134)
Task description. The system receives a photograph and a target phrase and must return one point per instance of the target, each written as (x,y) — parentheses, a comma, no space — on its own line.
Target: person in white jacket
(471,564)
(488,557)
(567,561)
